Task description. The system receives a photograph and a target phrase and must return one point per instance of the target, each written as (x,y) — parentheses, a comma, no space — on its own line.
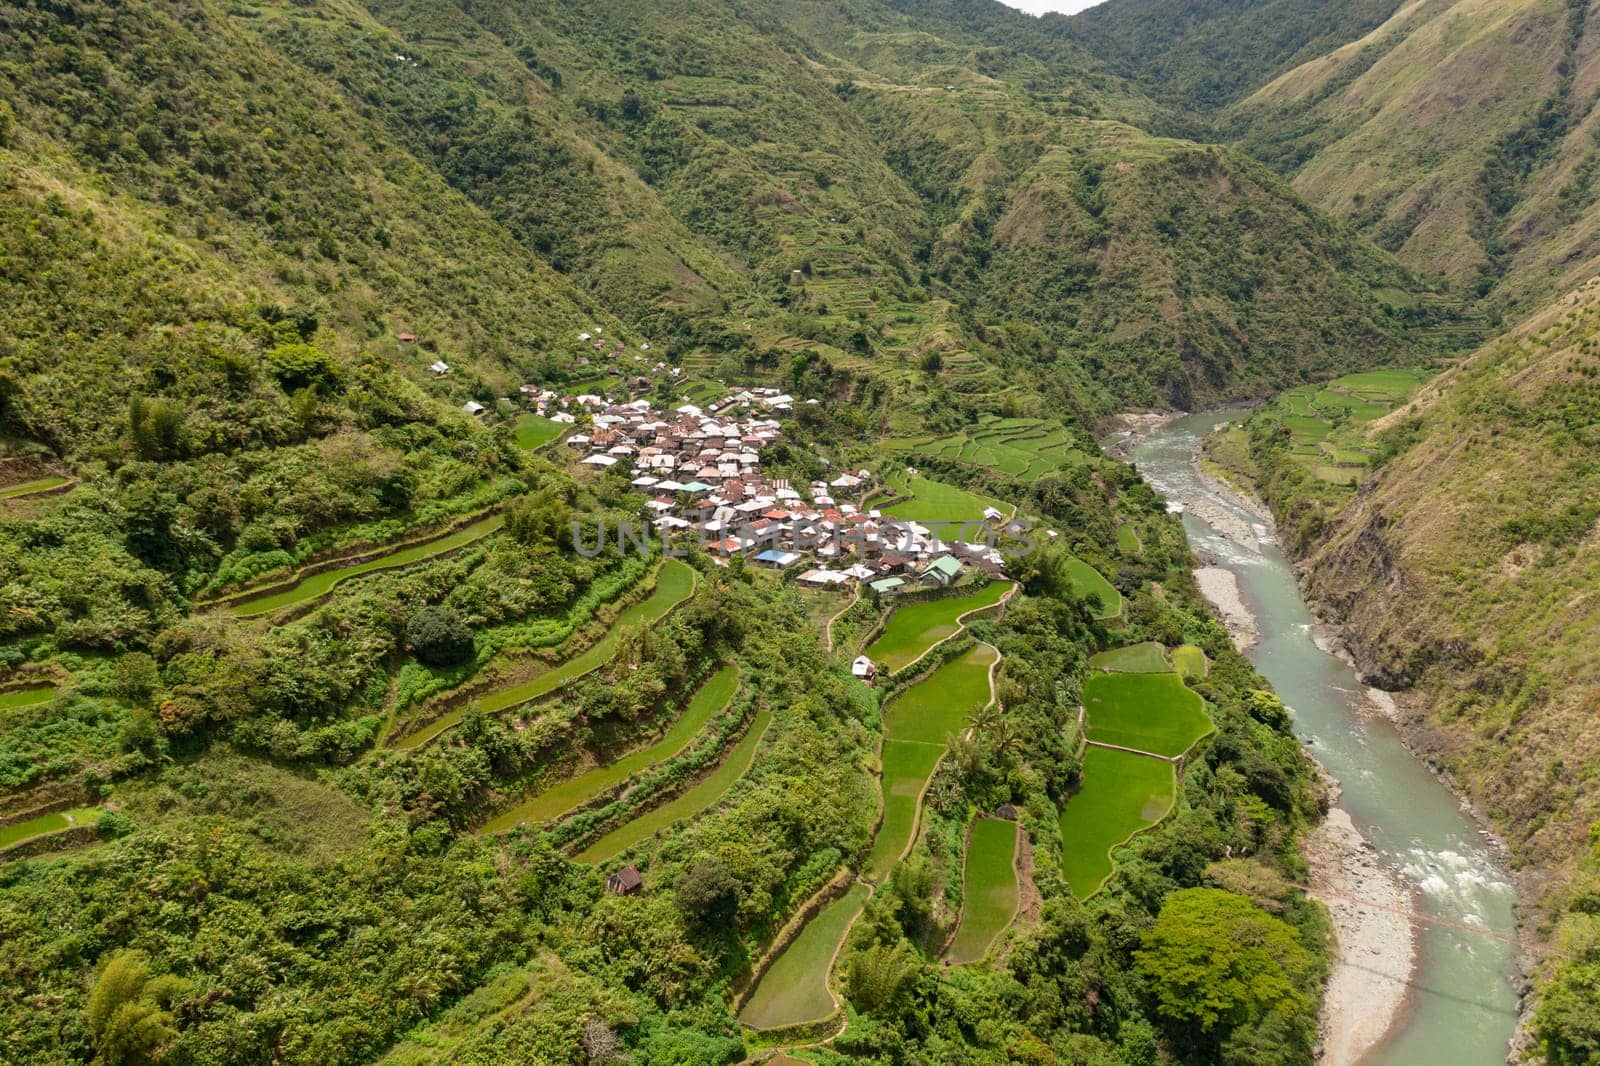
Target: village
(702,471)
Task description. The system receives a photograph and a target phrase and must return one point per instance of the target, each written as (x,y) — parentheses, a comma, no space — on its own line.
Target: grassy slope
(1449,135)
(1469,565)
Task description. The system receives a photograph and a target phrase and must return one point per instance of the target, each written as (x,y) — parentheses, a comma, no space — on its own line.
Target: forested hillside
(1200,55)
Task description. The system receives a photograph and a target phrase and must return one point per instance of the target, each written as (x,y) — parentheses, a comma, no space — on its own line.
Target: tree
(1215,962)
(708,893)
(880,977)
(129,1013)
(439,636)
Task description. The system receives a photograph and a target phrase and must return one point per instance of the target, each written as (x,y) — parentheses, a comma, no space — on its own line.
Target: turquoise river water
(1461,1009)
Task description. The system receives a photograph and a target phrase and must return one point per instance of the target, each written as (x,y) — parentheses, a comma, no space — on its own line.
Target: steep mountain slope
(1200,55)
(1460,134)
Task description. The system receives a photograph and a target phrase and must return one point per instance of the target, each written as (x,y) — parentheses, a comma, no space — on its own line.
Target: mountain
(495,178)
(1201,55)
(1459,135)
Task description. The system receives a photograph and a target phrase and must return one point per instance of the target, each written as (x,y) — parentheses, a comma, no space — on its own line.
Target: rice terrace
(989,889)
(913,629)
(674,583)
(712,696)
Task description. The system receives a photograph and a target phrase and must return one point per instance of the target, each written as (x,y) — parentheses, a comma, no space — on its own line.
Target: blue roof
(773,555)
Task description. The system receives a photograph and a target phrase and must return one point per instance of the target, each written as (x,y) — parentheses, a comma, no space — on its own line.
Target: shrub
(439,636)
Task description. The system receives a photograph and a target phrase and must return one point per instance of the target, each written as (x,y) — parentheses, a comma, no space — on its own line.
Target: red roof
(405,338)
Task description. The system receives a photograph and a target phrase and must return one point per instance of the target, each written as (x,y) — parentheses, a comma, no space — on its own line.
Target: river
(1460,1009)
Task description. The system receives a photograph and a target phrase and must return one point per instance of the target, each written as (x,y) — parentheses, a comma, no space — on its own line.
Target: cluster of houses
(701,469)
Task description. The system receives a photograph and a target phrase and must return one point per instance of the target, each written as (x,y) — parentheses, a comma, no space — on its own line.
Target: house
(625,882)
(822,578)
(473,407)
(599,459)
(941,571)
(863,668)
(439,368)
(776,559)
(993,515)
(406,338)
(886,585)
(1006,812)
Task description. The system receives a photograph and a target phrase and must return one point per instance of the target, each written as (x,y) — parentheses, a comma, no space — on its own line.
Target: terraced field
(702,796)
(1147,658)
(707,702)
(1022,447)
(916,725)
(1327,423)
(989,889)
(1087,581)
(916,627)
(934,501)
(535,431)
(1122,793)
(28,488)
(1190,662)
(30,696)
(794,990)
(1156,713)
(675,582)
(53,822)
(316,585)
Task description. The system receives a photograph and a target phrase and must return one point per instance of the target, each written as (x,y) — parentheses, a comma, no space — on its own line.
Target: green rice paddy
(53,822)
(1190,661)
(1147,658)
(1087,581)
(711,698)
(989,893)
(934,501)
(1157,713)
(701,797)
(794,990)
(907,766)
(675,582)
(1121,794)
(28,488)
(916,627)
(535,431)
(31,696)
(316,585)
(916,725)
